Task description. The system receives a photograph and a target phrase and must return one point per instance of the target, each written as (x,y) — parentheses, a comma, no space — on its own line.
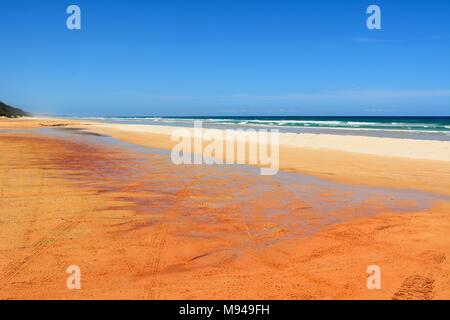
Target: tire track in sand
(152,269)
(13,268)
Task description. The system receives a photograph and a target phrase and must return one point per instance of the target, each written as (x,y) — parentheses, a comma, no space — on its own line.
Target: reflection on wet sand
(292,204)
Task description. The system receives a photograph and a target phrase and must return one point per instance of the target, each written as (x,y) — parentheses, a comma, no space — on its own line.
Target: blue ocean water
(434,128)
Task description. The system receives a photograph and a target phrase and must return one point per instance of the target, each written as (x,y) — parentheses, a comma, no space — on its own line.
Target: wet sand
(383,162)
(141,228)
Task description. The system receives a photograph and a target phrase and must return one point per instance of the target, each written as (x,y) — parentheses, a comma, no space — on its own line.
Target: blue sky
(235,57)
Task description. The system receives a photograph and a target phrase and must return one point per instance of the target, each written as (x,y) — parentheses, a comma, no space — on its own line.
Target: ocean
(428,128)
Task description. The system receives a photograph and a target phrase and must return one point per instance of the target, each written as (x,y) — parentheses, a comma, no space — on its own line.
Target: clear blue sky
(235,57)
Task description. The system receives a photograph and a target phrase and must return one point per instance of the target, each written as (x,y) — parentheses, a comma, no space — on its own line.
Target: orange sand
(54,213)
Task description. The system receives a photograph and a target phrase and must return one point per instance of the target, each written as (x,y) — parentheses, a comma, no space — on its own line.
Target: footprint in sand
(415,288)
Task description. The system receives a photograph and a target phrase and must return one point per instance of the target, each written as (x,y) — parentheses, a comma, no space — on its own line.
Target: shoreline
(375,146)
(426,135)
(417,165)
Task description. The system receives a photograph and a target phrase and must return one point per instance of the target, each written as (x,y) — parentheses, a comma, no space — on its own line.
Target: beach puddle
(232,204)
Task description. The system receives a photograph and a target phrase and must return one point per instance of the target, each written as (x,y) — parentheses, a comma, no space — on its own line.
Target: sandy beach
(107,198)
(415,164)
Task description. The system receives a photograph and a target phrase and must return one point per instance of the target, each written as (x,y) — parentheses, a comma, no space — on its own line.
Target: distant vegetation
(11,112)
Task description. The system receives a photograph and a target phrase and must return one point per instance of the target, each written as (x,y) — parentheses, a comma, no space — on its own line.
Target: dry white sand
(386,147)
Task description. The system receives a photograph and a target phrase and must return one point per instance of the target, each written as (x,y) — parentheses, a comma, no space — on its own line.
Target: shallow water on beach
(213,199)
